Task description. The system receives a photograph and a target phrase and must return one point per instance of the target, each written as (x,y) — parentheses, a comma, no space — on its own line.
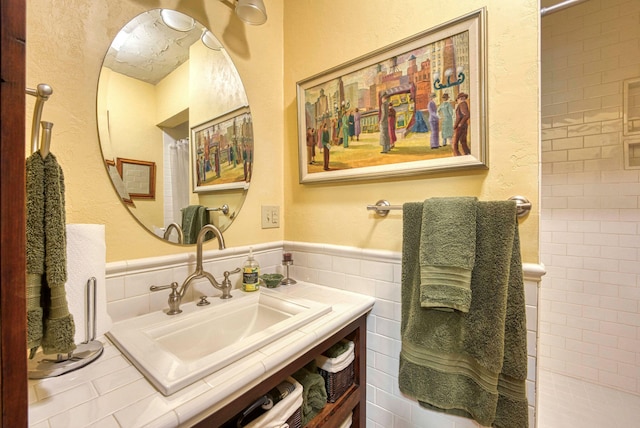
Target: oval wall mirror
(174,125)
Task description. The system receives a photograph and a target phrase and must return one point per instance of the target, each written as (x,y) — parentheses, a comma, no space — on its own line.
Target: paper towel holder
(43,366)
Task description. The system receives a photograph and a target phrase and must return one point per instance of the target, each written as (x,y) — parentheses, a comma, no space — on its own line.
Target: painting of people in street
(222,152)
(412,107)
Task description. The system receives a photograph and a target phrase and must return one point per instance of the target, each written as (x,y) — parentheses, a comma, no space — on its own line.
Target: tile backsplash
(128,282)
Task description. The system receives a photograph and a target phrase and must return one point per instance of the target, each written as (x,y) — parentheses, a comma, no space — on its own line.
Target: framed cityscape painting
(222,152)
(416,106)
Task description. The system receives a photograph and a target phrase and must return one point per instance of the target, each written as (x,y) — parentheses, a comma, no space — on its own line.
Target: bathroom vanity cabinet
(113,392)
(353,401)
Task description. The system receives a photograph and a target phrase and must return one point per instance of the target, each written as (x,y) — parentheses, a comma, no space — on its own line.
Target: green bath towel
(49,323)
(471,364)
(314,392)
(447,252)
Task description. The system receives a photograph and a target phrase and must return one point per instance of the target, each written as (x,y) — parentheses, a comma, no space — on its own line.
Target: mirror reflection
(175,126)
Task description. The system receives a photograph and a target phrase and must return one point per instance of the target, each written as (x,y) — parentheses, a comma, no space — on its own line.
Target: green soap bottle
(251,273)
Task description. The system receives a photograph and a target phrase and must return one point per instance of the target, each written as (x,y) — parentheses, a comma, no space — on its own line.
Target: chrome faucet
(200,239)
(167,232)
(176,296)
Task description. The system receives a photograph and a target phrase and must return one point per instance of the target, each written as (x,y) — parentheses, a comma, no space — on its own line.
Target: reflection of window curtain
(179,158)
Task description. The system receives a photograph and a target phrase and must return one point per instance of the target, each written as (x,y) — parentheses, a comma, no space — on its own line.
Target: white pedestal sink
(175,351)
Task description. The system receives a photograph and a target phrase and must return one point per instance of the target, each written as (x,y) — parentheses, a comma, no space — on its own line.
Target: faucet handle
(226,273)
(226,283)
(173,286)
(174,297)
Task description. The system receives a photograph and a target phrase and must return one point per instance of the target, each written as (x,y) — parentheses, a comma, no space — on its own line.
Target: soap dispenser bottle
(250,273)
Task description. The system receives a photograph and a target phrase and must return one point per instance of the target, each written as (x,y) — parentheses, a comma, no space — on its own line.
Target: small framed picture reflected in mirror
(139,177)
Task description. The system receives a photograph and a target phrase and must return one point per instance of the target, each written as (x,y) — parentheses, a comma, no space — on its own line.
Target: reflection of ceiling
(146,49)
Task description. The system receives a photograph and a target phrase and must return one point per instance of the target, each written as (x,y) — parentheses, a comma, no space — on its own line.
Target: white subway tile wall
(590,219)
(379,275)
(569,402)
(374,273)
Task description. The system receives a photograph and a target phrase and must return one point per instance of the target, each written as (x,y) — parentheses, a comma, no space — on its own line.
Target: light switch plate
(270,216)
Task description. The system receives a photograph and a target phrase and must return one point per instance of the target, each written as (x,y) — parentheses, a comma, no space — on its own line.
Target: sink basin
(175,351)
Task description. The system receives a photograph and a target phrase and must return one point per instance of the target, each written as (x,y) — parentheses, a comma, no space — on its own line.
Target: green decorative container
(272,280)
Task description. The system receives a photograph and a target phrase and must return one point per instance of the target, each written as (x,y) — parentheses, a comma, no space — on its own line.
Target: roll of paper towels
(86,258)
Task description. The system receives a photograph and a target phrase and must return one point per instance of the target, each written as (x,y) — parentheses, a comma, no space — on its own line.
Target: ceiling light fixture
(210,41)
(177,21)
(250,11)
(120,39)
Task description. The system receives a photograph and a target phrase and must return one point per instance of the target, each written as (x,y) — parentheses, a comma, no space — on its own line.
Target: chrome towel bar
(382,207)
(224,209)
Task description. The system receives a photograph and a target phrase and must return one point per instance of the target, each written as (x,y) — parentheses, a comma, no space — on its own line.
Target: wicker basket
(337,383)
(338,376)
(295,421)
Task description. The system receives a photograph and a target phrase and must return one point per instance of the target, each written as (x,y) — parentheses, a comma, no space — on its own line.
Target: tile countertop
(111,392)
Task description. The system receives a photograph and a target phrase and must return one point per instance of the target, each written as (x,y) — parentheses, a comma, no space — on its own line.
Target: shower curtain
(179,164)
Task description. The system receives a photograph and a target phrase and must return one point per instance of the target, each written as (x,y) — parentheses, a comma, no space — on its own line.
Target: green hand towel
(189,223)
(49,322)
(470,364)
(194,217)
(59,328)
(34,247)
(202,220)
(447,252)
(314,393)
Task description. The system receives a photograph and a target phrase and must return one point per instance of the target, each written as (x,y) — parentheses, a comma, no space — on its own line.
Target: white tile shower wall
(370,272)
(378,274)
(590,220)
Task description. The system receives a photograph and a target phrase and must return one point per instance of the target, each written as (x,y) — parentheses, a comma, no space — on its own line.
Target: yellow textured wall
(320,35)
(66,43)
(171,95)
(127,96)
(220,89)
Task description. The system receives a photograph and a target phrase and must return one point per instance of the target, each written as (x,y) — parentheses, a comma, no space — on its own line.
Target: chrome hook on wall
(42,94)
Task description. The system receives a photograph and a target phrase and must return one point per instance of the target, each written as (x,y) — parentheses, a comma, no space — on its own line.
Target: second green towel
(447,252)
